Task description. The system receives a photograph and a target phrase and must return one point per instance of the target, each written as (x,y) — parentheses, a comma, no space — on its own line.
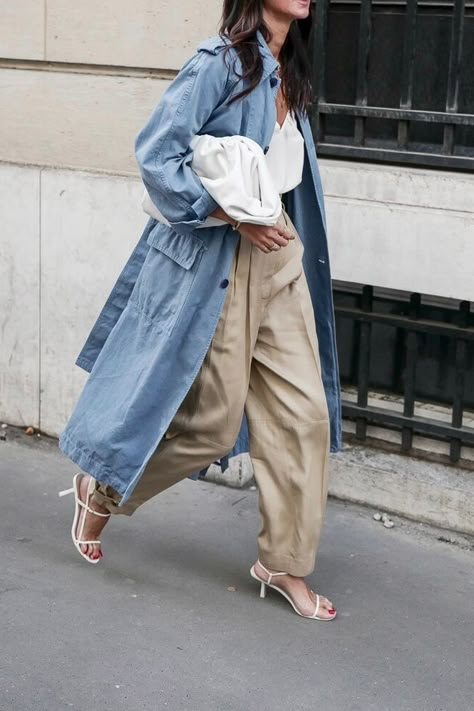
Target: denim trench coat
(153,332)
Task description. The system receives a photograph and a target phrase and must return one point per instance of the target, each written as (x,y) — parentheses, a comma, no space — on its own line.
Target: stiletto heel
(268,583)
(78,505)
(65,492)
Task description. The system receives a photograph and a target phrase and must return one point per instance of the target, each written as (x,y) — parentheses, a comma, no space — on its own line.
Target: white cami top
(285,155)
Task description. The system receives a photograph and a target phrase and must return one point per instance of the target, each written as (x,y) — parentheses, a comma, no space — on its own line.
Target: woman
(210,330)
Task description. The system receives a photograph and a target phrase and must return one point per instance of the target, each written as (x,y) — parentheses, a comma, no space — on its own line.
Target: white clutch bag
(234,171)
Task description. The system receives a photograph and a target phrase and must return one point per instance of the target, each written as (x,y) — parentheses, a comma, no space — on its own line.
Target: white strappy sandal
(79,504)
(268,583)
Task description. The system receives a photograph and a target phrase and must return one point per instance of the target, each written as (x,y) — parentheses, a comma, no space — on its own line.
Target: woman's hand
(265,237)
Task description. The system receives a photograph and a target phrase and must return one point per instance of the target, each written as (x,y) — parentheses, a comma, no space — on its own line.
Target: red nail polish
(332,611)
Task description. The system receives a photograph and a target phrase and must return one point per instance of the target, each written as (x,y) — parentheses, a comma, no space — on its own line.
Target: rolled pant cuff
(299,567)
(111,505)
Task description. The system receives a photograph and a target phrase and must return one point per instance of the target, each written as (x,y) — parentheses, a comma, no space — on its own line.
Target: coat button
(266,149)
(273,81)
(224,284)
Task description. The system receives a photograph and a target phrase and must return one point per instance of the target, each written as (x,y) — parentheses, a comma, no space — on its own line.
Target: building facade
(78,80)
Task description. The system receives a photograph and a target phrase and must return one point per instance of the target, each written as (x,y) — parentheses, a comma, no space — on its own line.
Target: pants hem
(111,505)
(300,568)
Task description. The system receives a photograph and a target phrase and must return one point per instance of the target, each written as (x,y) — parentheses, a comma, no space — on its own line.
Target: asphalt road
(154,626)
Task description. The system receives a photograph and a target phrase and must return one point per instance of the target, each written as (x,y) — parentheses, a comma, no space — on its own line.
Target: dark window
(394,81)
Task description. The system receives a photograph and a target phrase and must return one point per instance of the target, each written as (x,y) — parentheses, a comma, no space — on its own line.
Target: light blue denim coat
(151,336)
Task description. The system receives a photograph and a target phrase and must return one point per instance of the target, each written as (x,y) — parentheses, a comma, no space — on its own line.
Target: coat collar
(216,43)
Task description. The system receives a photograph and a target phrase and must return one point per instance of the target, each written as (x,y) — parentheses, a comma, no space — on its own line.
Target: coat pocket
(182,249)
(166,277)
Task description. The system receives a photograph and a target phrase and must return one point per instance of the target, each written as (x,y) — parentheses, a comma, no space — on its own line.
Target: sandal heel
(263,590)
(66,492)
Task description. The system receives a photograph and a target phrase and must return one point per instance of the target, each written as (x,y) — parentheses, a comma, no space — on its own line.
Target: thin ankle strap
(272,575)
(88,508)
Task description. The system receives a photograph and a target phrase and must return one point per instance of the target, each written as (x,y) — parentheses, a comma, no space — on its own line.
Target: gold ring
(275,247)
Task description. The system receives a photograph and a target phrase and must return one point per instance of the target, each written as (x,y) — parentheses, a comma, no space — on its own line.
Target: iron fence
(419,334)
(393,81)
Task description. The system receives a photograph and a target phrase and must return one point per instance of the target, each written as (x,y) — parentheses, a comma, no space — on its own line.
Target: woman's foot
(298,589)
(93,525)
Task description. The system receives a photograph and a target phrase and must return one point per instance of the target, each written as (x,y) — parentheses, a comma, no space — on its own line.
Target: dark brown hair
(240,21)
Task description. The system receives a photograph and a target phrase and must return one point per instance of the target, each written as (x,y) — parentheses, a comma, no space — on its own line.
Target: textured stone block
(90,224)
(144,33)
(19,295)
(22,34)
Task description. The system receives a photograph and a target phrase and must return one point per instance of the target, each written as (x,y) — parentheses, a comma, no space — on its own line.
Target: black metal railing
(412,350)
(393,81)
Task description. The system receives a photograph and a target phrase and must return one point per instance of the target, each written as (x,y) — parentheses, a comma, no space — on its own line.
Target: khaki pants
(264,358)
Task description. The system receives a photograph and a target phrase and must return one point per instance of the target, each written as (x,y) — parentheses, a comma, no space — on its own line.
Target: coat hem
(90,463)
(84,363)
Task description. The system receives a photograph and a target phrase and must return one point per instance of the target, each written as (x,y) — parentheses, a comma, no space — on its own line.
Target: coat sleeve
(162,147)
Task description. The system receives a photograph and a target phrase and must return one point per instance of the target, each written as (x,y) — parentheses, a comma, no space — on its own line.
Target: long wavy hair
(239,23)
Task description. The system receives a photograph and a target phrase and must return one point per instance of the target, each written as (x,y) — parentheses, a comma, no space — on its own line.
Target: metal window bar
(453,432)
(448,154)
(319,63)
(459,383)
(362,87)
(406,94)
(364,361)
(410,373)
(457,31)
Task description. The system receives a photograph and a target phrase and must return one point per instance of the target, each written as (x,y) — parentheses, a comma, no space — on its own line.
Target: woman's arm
(162,146)
(164,155)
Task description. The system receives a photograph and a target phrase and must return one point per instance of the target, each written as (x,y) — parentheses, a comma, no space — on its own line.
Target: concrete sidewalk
(155,626)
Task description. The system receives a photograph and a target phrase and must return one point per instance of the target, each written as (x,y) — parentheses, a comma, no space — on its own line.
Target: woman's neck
(279,27)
